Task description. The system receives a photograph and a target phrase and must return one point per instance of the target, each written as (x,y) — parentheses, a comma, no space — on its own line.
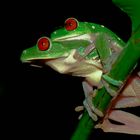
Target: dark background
(39,103)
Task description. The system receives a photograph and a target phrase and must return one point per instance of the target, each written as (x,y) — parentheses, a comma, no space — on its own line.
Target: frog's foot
(79,108)
(106,80)
(129,123)
(89,95)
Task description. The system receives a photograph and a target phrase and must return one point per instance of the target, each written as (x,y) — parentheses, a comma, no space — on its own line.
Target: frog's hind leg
(130,124)
(130,96)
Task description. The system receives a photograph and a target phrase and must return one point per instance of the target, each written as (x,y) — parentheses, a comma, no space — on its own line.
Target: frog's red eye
(71,24)
(43,43)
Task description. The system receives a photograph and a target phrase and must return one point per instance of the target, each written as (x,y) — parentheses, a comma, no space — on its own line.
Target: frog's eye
(71,24)
(43,43)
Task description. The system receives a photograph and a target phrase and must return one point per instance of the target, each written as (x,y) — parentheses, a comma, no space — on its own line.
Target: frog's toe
(90,112)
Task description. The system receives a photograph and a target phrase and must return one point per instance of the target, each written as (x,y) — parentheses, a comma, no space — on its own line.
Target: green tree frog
(86,50)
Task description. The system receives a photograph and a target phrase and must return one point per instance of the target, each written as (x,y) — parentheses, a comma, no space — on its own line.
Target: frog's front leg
(106,81)
(89,95)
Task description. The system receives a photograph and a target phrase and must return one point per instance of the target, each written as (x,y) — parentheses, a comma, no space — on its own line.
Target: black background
(39,103)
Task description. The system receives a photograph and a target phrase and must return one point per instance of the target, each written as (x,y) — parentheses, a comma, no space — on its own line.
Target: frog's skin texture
(87,50)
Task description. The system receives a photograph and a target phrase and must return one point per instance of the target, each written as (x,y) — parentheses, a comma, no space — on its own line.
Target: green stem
(84,128)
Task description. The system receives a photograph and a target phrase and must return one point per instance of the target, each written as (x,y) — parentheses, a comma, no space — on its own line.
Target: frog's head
(44,49)
(72,30)
(77,35)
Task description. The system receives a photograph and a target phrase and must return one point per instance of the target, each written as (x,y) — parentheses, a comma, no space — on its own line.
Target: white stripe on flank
(74,37)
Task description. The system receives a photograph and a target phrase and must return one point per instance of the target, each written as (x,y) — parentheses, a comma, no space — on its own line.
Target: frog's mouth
(35,63)
(39,62)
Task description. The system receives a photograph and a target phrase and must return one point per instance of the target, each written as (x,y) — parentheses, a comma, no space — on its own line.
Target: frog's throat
(91,69)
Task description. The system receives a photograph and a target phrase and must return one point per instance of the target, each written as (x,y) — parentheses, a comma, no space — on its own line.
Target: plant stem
(84,128)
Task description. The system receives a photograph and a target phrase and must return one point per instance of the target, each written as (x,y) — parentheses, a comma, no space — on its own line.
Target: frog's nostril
(24,51)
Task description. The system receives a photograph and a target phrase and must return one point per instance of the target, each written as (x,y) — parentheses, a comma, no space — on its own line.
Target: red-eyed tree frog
(88,50)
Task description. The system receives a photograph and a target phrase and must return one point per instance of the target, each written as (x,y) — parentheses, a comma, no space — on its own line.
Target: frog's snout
(23,56)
